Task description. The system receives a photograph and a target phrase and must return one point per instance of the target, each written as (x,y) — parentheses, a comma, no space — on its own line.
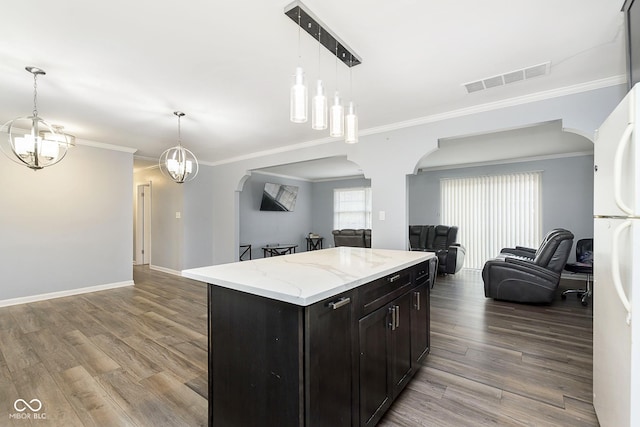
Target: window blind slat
(493,212)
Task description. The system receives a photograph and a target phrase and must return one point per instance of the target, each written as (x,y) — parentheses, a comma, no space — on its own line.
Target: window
(493,212)
(352,208)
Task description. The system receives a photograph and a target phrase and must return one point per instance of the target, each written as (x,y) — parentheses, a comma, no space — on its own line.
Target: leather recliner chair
(360,238)
(440,239)
(529,280)
(524,252)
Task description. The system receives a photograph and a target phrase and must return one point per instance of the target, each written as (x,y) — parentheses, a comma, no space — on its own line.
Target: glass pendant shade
(178,163)
(319,110)
(298,100)
(336,125)
(31,141)
(351,125)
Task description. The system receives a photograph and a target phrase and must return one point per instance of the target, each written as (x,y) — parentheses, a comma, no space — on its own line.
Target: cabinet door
(419,324)
(375,359)
(328,359)
(401,366)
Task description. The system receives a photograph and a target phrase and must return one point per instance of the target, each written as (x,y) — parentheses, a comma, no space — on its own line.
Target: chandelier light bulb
(319,110)
(351,125)
(336,125)
(298,100)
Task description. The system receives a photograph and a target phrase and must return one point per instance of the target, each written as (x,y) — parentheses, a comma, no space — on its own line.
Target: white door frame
(143,224)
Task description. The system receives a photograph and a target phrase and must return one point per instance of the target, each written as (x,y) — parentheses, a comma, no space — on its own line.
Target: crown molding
(511,102)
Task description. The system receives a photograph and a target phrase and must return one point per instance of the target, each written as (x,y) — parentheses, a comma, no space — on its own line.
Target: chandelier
(177,162)
(32,141)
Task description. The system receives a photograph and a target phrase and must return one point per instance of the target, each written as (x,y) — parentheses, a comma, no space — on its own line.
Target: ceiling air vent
(510,77)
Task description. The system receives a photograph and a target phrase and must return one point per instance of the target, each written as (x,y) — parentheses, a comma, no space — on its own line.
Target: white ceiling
(116,70)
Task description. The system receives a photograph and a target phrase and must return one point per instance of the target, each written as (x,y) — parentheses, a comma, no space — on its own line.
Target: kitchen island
(327,337)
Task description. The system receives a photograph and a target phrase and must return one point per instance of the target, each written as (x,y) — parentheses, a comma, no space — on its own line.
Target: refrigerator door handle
(617,169)
(615,268)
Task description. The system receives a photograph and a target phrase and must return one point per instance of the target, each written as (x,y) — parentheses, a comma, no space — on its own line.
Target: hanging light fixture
(32,141)
(319,111)
(351,119)
(336,123)
(321,116)
(177,162)
(298,95)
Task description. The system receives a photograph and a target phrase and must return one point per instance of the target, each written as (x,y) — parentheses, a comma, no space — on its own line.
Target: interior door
(143,225)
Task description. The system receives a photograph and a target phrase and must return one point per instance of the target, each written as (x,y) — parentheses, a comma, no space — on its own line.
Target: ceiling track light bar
(316,28)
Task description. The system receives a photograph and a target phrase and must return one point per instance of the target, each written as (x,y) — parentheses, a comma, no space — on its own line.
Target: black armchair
(440,239)
(524,252)
(529,280)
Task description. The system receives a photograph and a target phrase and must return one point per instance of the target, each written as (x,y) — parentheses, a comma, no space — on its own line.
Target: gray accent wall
(260,228)
(567,192)
(67,226)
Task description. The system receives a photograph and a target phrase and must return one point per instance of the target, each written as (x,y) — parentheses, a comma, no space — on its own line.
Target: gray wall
(567,192)
(260,228)
(185,242)
(387,156)
(322,206)
(196,217)
(67,226)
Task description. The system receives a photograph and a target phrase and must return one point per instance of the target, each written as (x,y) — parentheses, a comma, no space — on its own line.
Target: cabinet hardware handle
(340,303)
(397,316)
(392,312)
(417,294)
(394,278)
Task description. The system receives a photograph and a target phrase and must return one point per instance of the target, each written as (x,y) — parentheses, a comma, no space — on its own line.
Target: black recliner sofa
(440,239)
(529,277)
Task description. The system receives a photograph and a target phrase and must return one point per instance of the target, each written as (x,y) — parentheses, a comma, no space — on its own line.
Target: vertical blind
(493,212)
(352,208)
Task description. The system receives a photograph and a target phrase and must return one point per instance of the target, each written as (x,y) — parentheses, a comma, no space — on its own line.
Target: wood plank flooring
(137,356)
(499,363)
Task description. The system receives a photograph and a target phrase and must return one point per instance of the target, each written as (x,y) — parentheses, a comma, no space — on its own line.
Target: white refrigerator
(616,289)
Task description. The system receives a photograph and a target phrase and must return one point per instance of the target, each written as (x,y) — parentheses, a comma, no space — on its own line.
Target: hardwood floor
(499,363)
(137,356)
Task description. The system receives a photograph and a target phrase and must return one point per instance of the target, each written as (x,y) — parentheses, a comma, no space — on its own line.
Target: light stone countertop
(308,277)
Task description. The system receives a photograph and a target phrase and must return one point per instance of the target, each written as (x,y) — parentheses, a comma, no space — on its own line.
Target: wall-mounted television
(631,9)
(279,197)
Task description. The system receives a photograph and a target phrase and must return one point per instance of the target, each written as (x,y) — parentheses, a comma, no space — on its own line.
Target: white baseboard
(60,294)
(165,270)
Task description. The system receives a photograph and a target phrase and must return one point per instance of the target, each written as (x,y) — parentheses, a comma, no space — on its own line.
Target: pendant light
(42,144)
(298,96)
(351,119)
(336,122)
(319,111)
(178,163)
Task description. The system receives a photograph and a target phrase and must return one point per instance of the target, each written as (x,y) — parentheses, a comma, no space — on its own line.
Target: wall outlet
(382,215)
(178,215)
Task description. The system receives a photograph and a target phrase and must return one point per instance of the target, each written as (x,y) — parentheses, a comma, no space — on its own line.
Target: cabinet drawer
(422,273)
(384,290)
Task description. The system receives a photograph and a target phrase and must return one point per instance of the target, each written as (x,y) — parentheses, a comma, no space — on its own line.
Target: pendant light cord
(299,35)
(319,49)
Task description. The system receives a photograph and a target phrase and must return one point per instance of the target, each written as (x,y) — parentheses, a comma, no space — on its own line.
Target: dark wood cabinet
(338,362)
(328,362)
(389,336)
